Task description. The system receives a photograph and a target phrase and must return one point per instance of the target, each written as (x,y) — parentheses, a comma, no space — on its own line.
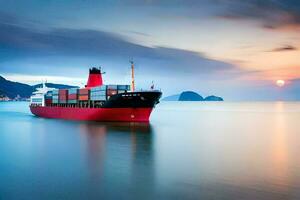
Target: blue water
(189,151)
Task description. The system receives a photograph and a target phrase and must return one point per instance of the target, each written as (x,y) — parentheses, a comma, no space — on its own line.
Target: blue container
(55,92)
(55,97)
(73,91)
(98,92)
(112,87)
(99,88)
(72,101)
(124,87)
(103,87)
(98,98)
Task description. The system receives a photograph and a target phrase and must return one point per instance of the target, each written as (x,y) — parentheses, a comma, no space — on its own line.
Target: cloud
(274,14)
(139,33)
(19,42)
(284,48)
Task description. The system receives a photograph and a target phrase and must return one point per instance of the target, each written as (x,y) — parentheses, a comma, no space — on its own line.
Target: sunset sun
(280,83)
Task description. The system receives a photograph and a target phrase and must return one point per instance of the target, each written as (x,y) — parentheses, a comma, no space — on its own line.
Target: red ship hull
(94,114)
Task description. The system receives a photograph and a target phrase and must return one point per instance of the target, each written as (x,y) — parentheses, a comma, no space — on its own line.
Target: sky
(230,48)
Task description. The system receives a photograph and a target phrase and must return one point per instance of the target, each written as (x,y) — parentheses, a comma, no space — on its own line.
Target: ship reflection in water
(188,151)
(119,156)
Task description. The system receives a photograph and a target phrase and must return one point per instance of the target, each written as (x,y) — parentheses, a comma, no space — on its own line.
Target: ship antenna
(132,76)
(101,70)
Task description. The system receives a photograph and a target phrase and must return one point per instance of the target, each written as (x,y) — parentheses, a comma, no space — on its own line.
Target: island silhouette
(191,96)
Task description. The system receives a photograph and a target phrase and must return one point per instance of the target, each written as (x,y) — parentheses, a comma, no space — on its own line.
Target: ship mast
(132,76)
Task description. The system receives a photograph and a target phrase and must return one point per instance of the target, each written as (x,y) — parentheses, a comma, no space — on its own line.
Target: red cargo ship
(95,102)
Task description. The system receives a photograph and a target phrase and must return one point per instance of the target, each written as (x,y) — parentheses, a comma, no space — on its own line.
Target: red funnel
(95,78)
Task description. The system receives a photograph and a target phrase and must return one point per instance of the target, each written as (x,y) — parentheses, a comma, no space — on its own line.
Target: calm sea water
(188,151)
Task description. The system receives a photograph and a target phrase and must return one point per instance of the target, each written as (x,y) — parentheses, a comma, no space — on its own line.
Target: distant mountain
(191,96)
(213,98)
(171,98)
(13,89)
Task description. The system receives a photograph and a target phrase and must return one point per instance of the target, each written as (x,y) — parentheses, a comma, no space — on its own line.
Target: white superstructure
(38,97)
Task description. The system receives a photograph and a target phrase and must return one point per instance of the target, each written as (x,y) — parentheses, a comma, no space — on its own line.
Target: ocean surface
(190,150)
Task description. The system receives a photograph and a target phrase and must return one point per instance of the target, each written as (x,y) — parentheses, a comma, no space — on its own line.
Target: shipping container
(72,101)
(48,97)
(111,92)
(55,92)
(54,100)
(100,92)
(103,87)
(100,88)
(48,101)
(103,93)
(72,96)
(98,98)
(83,91)
(124,87)
(63,91)
(62,101)
(112,87)
(63,95)
(83,97)
(73,91)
